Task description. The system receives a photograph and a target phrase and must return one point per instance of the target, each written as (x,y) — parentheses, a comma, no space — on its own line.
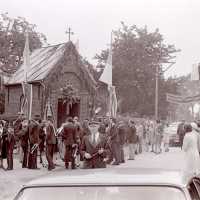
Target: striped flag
(112,102)
(176,99)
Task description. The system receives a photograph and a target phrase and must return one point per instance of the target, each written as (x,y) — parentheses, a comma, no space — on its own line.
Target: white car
(116,184)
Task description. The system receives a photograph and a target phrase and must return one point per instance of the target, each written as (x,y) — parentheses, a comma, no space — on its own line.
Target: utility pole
(156,93)
(157,79)
(157,87)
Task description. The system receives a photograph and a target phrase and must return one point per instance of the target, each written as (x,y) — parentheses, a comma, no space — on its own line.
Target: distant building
(53,71)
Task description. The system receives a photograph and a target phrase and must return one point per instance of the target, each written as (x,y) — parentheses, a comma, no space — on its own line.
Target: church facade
(60,79)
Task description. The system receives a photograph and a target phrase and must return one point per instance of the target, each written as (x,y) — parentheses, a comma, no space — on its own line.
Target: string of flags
(177,99)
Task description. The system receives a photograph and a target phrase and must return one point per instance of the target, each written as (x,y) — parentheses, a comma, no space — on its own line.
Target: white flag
(26,57)
(28,92)
(106,76)
(195,72)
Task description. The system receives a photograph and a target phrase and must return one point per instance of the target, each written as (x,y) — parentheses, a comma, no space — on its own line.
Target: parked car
(173,136)
(118,184)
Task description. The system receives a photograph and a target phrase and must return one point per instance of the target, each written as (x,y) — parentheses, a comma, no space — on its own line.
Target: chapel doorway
(65,111)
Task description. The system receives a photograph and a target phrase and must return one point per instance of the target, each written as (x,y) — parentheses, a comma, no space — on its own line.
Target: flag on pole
(195,72)
(26,57)
(106,78)
(26,104)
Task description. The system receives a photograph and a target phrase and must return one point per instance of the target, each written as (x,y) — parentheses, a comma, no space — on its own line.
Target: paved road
(11,181)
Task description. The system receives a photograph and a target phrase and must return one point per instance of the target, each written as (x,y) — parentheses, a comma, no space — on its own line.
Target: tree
(12,40)
(136,54)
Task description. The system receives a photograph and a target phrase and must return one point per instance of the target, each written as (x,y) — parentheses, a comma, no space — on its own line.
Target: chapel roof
(42,61)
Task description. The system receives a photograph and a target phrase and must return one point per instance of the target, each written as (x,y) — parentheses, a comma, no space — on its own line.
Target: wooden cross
(70,33)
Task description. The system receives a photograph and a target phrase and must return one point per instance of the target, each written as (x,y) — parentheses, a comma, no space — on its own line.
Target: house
(59,78)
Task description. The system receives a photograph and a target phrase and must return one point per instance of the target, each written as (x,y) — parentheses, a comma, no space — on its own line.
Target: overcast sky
(93,20)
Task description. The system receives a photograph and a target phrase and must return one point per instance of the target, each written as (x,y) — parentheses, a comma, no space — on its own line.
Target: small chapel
(59,78)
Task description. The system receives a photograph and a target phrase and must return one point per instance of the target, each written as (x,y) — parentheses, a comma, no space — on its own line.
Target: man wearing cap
(122,139)
(18,127)
(94,148)
(131,139)
(10,147)
(23,137)
(181,132)
(69,137)
(50,143)
(115,142)
(33,141)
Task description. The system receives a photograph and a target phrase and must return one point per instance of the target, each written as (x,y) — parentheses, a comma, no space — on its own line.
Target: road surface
(11,181)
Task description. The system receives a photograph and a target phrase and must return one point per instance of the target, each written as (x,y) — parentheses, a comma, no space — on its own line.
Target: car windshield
(102,193)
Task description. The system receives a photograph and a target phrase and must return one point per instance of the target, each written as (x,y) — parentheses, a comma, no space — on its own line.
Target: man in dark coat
(42,137)
(122,140)
(181,132)
(18,127)
(70,139)
(18,123)
(50,143)
(34,142)
(115,142)
(23,136)
(94,149)
(10,147)
(131,139)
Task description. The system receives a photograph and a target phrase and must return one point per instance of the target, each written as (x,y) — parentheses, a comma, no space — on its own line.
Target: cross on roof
(69,32)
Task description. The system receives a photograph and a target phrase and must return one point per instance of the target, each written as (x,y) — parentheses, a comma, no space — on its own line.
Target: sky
(93,20)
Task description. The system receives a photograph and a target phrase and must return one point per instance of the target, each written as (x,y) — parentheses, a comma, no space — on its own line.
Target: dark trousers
(116,152)
(10,158)
(25,156)
(49,155)
(32,158)
(181,137)
(69,156)
(121,147)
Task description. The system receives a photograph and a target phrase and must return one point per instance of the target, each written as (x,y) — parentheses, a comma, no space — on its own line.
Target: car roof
(116,176)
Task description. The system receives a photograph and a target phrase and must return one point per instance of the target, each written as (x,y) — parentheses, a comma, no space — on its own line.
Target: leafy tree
(136,54)
(12,40)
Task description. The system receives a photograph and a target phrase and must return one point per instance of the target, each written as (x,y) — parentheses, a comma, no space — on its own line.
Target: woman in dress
(191,149)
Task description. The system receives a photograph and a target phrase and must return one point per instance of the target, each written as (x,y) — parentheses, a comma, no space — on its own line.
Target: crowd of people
(95,144)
